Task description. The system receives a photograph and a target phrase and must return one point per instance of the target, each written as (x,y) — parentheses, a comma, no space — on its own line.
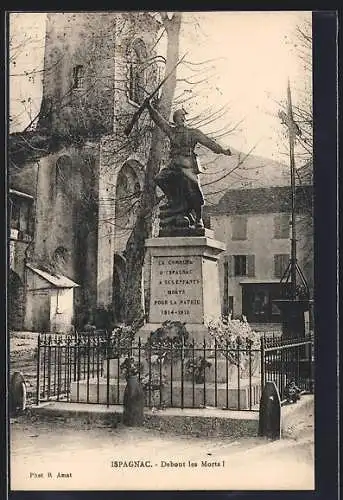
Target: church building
(77,176)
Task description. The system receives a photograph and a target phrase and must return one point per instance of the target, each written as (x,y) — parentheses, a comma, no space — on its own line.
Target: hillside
(240,171)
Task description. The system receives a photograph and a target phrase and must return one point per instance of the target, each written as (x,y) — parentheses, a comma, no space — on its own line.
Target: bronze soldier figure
(179,181)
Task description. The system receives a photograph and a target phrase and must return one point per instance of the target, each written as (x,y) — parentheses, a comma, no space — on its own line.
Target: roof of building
(261,201)
(56,280)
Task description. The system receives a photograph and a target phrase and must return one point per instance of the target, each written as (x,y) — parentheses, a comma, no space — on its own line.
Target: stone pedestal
(184,282)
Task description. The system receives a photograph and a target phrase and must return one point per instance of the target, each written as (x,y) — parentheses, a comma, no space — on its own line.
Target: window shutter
(251,266)
(239,227)
(230,265)
(281,226)
(280,264)
(277,226)
(277,267)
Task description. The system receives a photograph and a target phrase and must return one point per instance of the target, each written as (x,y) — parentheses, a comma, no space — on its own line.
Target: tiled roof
(262,200)
(57,280)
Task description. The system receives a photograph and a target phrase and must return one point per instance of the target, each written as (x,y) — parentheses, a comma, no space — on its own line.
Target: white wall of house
(37,317)
(48,308)
(260,243)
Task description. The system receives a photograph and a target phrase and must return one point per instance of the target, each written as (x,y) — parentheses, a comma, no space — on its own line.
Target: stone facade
(85,167)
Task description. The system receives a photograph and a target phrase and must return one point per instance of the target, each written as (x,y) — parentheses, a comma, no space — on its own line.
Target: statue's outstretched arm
(210,143)
(158,119)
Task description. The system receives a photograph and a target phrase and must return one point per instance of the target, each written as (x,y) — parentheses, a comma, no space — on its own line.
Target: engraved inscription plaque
(176,291)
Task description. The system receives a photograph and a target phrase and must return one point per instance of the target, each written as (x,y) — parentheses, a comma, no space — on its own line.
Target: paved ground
(88,458)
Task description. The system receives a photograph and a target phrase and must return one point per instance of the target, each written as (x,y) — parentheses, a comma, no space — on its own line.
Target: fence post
(49,367)
(182,373)
(108,369)
(88,364)
(215,374)
(310,381)
(150,371)
(38,370)
(204,354)
(262,342)
(227,374)
(248,350)
(238,351)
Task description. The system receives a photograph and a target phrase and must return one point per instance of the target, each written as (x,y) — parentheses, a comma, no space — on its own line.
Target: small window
(240,265)
(281,226)
(239,228)
(137,75)
(281,262)
(78,77)
(21,215)
(15,215)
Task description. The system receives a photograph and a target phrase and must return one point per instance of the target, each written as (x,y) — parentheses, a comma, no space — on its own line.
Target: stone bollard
(17,393)
(270,412)
(133,415)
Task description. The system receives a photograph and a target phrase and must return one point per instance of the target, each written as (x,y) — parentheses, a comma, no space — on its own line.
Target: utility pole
(290,275)
(294,299)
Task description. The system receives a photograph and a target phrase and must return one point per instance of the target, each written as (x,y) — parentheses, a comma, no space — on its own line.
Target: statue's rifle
(142,107)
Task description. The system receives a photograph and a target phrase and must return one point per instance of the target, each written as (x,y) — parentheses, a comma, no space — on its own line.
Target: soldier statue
(179,181)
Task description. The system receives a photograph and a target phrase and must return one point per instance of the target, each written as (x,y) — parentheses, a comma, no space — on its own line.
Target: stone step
(194,396)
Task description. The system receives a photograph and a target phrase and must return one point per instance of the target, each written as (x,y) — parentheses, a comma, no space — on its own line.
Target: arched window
(78,77)
(137,75)
(127,196)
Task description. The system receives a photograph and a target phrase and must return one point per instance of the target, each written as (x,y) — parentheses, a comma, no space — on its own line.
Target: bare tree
(135,248)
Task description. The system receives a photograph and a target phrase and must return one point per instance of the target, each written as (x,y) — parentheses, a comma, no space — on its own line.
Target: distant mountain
(239,171)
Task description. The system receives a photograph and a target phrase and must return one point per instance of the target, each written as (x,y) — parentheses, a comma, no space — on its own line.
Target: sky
(251,59)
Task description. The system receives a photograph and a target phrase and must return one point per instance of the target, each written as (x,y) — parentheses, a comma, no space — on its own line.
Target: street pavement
(55,454)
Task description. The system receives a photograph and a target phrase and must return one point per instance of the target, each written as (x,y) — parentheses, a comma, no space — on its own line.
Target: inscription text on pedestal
(176,289)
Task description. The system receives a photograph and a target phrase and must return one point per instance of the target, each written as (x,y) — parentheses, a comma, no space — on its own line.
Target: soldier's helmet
(179,112)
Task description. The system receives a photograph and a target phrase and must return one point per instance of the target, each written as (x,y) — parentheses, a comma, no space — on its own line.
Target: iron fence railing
(288,360)
(94,368)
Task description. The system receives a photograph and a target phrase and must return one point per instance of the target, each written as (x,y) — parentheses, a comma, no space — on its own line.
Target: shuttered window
(240,265)
(281,226)
(239,228)
(281,262)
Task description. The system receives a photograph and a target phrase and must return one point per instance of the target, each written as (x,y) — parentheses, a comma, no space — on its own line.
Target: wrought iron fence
(94,368)
(285,361)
